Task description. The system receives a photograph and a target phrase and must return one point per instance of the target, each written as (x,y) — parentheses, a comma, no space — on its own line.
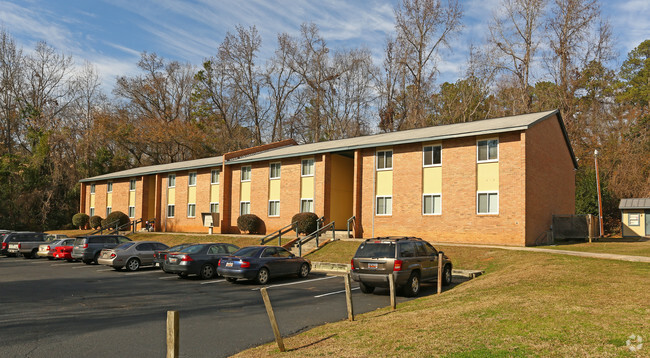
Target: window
(170,210)
(306,205)
(92,188)
(108,210)
(132,185)
(274,207)
(132,211)
(246,173)
(214,176)
(431,204)
(275,171)
(109,187)
(385,160)
(214,207)
(244,207)
(307,168)
(92,211)
(634,219)
(191,179)
(191,210)
(488,203)
(384,205)
(487,150)
(432,155)
(171,180)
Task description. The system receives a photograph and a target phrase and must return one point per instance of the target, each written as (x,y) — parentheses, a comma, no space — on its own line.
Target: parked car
(87,248)
(199,259)
(260,263)
(160,256)
(64,252)
(410,260)
(23,243)
(48,249)
(131,255)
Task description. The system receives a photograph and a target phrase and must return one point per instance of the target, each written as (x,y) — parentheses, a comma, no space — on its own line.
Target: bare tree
(11,75)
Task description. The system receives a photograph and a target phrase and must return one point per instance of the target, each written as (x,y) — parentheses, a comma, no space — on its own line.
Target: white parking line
(167,277)
(333,293)
(84,266)
(213,281)
(140,273)
(296,283)
(104,270)
(65,264)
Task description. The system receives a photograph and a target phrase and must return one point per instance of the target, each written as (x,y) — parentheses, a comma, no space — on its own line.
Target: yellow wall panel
(385,182)
(487,177)
(109,199)
(432,180)
(307,187)
(214,193)
(171,196)
(245,191)
(274,189)
(92,200)
(634,230)
(132,198)
(191,195)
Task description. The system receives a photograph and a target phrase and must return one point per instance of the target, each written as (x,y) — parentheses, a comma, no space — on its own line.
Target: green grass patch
(611,246)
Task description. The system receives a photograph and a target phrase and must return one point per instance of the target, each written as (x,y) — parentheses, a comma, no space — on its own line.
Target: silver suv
(410,260)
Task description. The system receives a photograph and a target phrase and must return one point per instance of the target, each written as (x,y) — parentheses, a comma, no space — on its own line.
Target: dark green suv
(410,260)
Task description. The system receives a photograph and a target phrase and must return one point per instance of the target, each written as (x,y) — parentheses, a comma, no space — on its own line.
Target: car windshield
(124,246)
(373,249)
(246,251)
(192,249)
(179,247)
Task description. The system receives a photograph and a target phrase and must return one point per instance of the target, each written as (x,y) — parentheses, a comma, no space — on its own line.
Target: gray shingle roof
(635,203)
(162,168)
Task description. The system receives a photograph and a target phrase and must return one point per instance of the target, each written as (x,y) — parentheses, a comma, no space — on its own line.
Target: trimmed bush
(250,223)
(116,215)
(95,221)
(305,222)
(80,220)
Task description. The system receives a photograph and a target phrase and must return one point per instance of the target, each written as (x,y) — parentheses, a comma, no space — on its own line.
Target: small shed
(635,217)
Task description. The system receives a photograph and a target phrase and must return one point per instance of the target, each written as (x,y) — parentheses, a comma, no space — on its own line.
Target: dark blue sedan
(199,259)
(260,263)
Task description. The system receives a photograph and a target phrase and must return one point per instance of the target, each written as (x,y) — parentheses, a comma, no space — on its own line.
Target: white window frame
(241,203)
(390,209)
(173,208)
(424,158)
(638,219)
(432,195)
(92,188)
(171,180)
(134,182)
(377,159)
(279,170)
(278,211)
(131,212)
(92,211)
(249,171)
(478,193)
(487,140)
(109,209)
(311,206)
(193,206)
(213,173)
(191,175)
(109,187)
(311,164)
(217,205)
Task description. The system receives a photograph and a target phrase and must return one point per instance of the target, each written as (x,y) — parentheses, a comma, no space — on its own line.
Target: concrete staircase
(310,246)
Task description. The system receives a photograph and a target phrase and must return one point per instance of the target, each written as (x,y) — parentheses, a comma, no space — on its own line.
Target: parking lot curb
(330,267)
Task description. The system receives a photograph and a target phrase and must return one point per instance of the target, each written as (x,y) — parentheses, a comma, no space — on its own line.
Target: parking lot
(60,309)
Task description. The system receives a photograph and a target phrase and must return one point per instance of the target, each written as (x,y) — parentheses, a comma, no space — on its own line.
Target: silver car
(131,255)
(47,249)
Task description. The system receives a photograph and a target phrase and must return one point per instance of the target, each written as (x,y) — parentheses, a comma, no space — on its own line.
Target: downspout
(374,197)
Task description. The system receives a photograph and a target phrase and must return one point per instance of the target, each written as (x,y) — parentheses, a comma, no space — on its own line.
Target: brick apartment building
(495,181)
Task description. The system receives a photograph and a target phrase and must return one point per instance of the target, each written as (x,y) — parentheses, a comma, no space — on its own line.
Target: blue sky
(112,34)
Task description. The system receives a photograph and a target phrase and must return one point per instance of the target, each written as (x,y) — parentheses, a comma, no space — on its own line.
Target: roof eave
(109,177)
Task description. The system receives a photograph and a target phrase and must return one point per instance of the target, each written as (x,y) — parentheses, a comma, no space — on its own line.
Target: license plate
(372,265)
(228,264)
(173,261)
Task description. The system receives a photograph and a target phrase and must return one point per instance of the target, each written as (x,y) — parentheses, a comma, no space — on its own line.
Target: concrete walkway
(595,255)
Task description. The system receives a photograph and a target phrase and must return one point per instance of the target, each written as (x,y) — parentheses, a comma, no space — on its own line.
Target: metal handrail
(351,219)
(278,234)
(130,223)
(102,228)
(316,235)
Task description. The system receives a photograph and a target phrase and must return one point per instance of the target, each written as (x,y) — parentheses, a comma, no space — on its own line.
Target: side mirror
(292,256)
(440,252)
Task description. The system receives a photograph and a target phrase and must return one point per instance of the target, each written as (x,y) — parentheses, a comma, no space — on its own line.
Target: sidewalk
(595,255)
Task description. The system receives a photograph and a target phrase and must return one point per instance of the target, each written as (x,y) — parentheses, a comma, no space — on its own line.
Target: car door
(144,252)
(428,260)
(215,252)
(273,261)
(289,262)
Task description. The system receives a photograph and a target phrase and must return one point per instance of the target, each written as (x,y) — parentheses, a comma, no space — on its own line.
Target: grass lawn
(610,246)
(172,239)
(526,304)
(70,233)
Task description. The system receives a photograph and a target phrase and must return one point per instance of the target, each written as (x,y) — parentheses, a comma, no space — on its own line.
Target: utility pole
(600,200)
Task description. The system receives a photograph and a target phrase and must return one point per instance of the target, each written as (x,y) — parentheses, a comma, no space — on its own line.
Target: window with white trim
(191,179)
(306,205)
(246,173)
(274,207)
(132,185)
(634,219)
(487,202)
(431,204)
(214,176)
(171,180)
(109,187)
(385,160)
(432,155)
(487,150)
(274,170)
(131,212)
(244,207)
(92,188)
(108,210)
(307,167)
(384,205)
(171,210)
(214,207)
(92,211)
(191,210)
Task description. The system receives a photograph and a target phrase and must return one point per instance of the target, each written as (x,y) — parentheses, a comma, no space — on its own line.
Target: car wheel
(95,260)
(117,268)
(133,264)
(446,276)
(263,276)
(69,260)
(304,270)
(182,275)
(87,262)
(366,288)
(207,272)
(231,279)
(50,258)
(412,287)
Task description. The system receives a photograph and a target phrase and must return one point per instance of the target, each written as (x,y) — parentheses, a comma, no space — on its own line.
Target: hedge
(116,216)
(95,222)
(80,220)
(250,223)
(305,223)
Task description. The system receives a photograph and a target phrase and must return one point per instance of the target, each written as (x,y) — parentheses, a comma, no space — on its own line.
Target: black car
(199,259)
(160,256)
(87,248)
(260,263)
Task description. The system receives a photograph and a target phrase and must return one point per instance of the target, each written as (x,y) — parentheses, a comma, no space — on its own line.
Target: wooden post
(439,272)
(590,225)
(274,323)
(391,285)
(172,334)
(348,297)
